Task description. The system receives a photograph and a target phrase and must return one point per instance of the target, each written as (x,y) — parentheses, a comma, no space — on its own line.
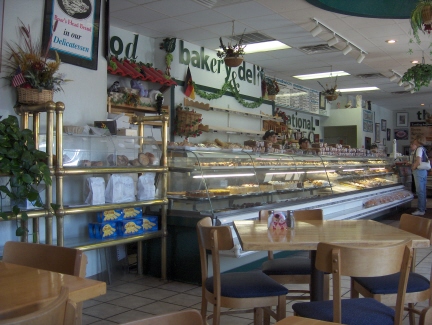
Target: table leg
(317,281)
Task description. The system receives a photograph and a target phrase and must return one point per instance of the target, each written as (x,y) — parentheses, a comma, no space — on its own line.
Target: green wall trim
(387,9)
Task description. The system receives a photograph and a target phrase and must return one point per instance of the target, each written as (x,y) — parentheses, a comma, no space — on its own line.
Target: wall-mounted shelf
(207,107)
(228,130)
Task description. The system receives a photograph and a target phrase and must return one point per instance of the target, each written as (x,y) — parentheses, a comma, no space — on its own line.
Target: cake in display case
(215,183)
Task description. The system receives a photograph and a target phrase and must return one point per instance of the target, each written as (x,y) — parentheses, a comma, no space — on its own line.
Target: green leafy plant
(187,127)
(25,166)
(231,51)
(420,75)
(421,19)
(271,86)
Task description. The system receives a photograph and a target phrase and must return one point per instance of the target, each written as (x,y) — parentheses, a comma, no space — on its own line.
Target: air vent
(370,76)
(401,92)
(250,38)
(207,3)
(315,49)
(218,3)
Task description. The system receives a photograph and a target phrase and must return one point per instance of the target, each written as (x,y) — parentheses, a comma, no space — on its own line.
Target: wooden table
(25,289)
(254,236)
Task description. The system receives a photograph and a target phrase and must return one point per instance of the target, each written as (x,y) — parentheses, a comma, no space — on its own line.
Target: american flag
(18,79)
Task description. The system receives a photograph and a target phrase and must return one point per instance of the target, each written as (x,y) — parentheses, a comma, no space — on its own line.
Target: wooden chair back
(184,317)
(416,225)
(212,238)
(365,262)
(426,316)
(61,311)
(46,257)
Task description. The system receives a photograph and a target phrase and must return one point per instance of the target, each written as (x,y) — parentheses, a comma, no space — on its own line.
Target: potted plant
(30,70)
(420,75)
(187,122)
(272,88)
(232,54)
(330,93)
(421,18)
(24,165)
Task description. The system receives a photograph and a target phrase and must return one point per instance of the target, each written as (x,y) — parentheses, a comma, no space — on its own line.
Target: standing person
(270,135)
(420,175)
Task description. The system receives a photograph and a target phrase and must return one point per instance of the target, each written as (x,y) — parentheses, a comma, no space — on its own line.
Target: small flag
(18,79)
(189,87)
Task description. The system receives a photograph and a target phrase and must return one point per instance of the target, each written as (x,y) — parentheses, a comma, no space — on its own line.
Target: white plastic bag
(146,187)
(120,188)
(95,190)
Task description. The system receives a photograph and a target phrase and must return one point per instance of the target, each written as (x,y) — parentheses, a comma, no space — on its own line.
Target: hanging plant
(187,122)
(330,92)
(421,19)
(420,75)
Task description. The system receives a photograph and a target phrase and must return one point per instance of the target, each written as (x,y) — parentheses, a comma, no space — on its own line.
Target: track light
(400,83)
(333,41)
(408,87)
(394,77)
(348,48)
(361,57)
(317,29)
(412,91)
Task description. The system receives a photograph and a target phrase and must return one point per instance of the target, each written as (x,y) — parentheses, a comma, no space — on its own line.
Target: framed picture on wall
(377,132)
(322,101)
(383,125)
(388,134)
(367,115)
(72,30)
(401,134)
(402,119)
(384,141)
(367,126)
(368,142)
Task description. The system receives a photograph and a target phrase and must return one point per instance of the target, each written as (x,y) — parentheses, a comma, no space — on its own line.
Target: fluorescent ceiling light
(265,47)
(346,90)
(321,75)
(391,41)
(333,41)
(347,49)
(361,57)
(317,29)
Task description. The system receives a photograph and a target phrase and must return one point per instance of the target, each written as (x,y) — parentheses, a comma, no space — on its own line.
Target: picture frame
(388,134)
(72,32)
(368,143)
(367,115)
(384,141)
(377,132)
(401,134)
(401,119)
(322,101)
(383,125)
(367,126)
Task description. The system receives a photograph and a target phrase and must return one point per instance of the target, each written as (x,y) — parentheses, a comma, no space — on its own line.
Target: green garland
(222,91)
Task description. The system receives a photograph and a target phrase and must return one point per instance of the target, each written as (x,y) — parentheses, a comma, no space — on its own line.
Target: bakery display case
(220,183)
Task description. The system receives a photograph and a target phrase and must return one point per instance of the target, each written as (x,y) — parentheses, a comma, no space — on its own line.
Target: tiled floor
(133,297)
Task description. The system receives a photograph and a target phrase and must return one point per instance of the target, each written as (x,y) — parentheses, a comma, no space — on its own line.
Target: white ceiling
(289,21)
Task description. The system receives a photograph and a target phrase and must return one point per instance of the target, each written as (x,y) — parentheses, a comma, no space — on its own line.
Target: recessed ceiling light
(358,89)
(321,75)
(391,41)
(421,104)
(265,47)
(414,61)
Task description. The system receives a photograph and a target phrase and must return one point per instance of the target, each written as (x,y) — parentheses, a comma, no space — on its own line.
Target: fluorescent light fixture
(317,29)
(391,41)
(394,77)
(414,61)
(361,57)
(346,90)
(333,41)
(348,48)
(400,83)
(223,175)
(321,75)
(265,47)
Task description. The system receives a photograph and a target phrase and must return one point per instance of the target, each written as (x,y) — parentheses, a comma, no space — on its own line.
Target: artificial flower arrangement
(331,92)
(29,66)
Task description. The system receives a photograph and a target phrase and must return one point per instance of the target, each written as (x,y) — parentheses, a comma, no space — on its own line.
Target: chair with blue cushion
(353,261)
(294,269)
(384,289)
(235,290)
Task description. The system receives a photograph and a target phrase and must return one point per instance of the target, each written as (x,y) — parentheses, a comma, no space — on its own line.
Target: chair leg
(204,308)
(266,317)
(354,293)
(411,314)
(258,316)
(281,308)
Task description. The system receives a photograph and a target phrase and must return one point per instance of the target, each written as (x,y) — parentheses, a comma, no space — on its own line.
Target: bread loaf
(143,159)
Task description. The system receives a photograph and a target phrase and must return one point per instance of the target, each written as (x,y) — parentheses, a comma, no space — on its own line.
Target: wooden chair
(426,316)
(294,269)
(184,317)
(60,311)
(384,289)
(235,290)
(48,257)
(295,320)
(359,261)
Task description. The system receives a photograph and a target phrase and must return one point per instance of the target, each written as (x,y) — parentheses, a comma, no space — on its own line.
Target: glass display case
(216,182)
